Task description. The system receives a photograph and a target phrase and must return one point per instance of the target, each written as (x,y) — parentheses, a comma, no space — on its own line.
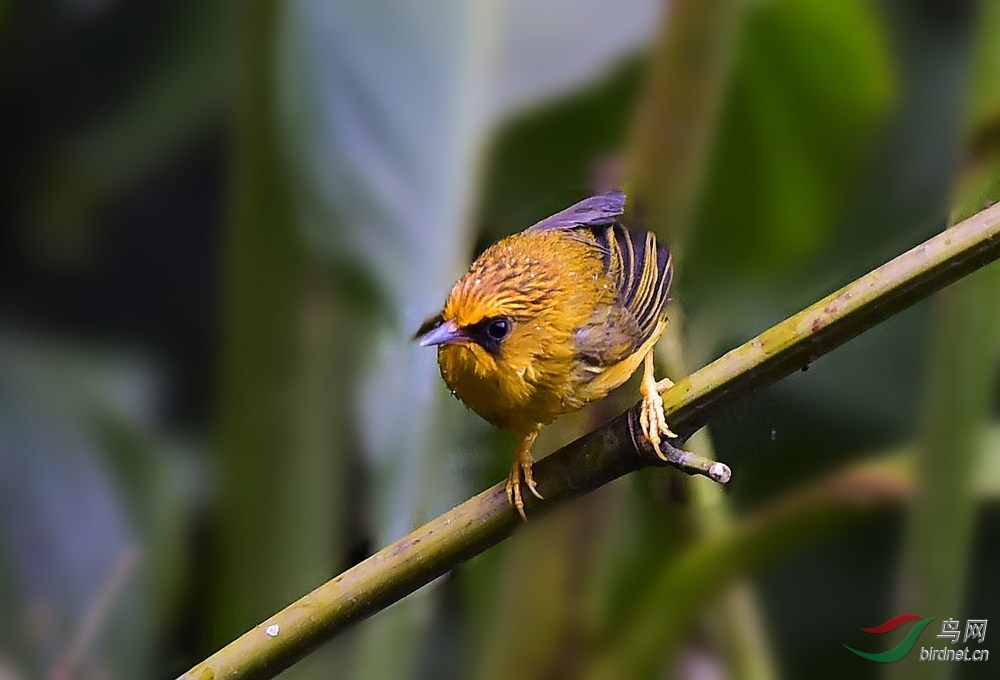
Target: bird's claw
(521,469)
(652,419)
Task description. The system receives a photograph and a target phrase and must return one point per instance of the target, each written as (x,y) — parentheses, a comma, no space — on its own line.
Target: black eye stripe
(491,332)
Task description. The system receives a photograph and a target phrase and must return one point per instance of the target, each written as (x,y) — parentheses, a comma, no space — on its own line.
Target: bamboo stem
(606,453)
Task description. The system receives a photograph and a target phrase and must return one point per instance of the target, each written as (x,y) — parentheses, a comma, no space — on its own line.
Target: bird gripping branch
(552,318)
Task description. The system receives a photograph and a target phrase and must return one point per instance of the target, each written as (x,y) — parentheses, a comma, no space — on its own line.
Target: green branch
(609,452)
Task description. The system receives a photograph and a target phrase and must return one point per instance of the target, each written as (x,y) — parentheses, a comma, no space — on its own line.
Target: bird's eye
(498,329)
(490,332)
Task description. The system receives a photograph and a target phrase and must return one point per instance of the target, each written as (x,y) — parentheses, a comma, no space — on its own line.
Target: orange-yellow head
(506,334)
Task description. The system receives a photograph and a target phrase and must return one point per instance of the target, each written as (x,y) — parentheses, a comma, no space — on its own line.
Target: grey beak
(447,333)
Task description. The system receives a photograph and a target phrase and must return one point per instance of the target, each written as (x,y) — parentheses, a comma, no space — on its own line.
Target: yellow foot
(522,470)
(651,417)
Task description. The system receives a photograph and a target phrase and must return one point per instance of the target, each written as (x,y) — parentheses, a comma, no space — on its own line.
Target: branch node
(720,472)
(696,464)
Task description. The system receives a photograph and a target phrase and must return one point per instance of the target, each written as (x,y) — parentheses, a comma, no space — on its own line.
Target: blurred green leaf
(811,80)
(706,569)
(77,500)
(536,614)
(543,160)
(984,104)
(181,92)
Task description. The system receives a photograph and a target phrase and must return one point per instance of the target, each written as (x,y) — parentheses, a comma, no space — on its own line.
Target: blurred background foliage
(223,221)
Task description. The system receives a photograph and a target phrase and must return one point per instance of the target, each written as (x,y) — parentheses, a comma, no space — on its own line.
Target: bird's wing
(638,266)
(596,211)
(641,270)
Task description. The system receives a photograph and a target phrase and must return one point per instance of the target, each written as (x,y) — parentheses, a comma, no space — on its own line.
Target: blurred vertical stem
(966,348)
(671,140)
(676,116)
(274,530)
(962,376)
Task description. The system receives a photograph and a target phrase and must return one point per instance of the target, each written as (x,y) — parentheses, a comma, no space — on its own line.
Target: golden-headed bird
(553,318)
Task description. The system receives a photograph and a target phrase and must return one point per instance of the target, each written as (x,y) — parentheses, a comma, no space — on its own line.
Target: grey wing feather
(596,211)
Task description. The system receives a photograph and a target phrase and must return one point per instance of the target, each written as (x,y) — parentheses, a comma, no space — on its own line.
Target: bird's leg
(651,416)
(522,468)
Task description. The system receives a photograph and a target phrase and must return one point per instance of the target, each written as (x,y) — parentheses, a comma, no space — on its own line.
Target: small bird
(553,318)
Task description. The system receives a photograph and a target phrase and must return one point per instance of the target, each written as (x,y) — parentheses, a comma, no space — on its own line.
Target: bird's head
(501,315)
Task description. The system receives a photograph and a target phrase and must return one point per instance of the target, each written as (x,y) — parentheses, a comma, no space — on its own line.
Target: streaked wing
(638,266)
(641,270)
